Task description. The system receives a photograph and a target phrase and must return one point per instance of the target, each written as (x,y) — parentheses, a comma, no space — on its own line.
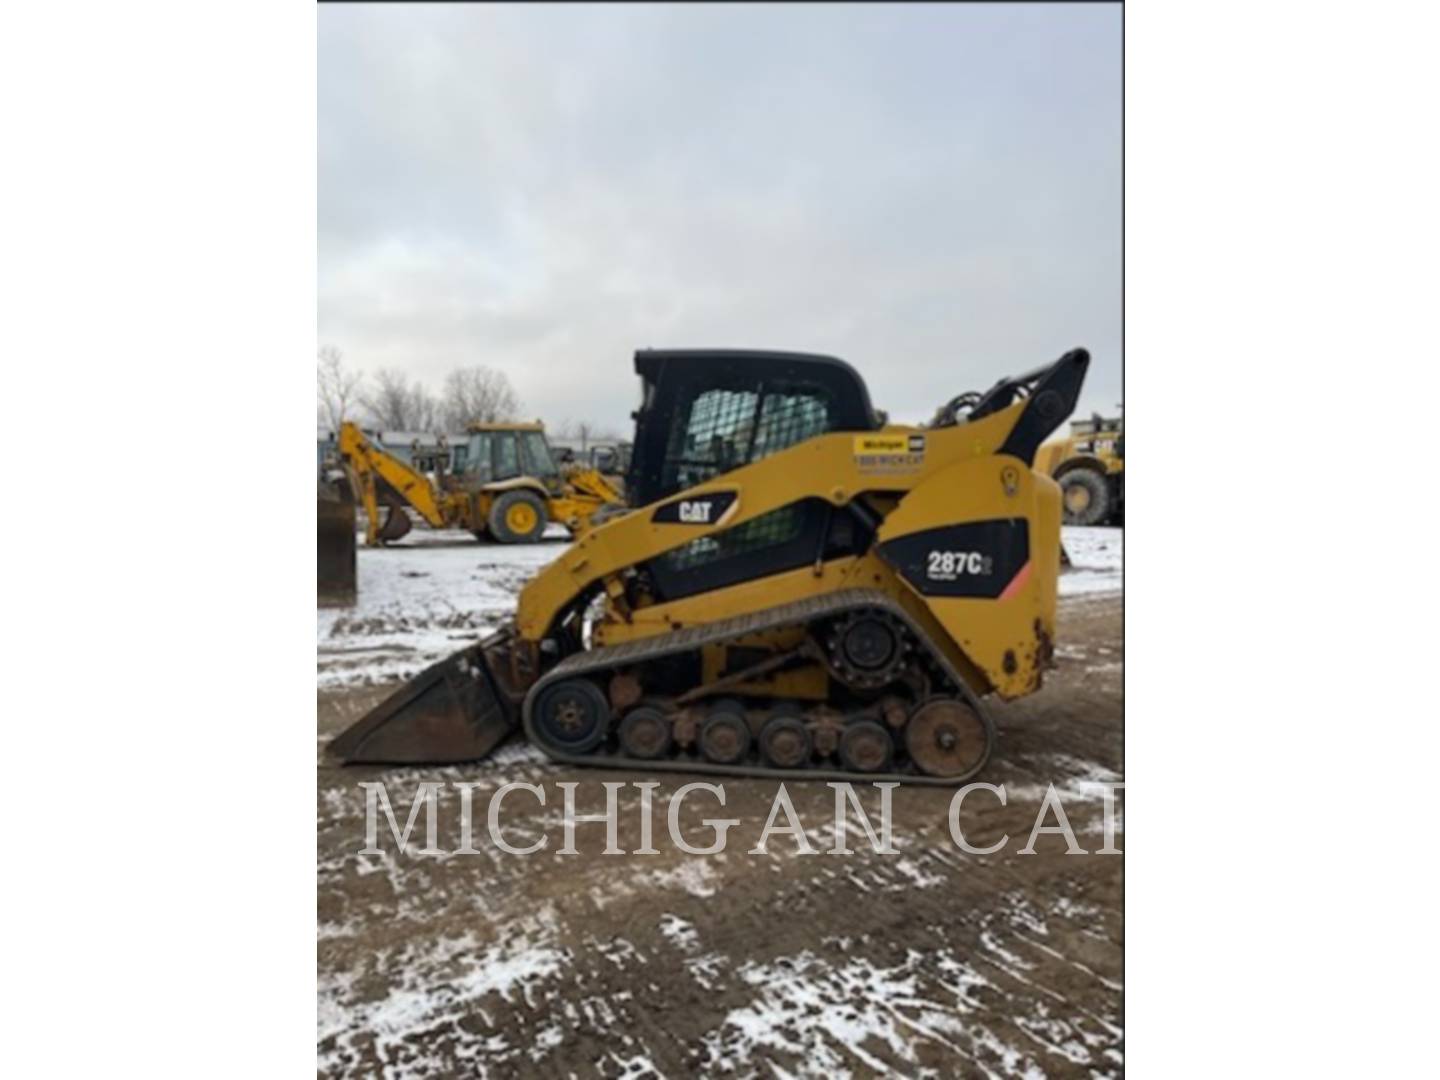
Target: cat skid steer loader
(800,589)
(507,487)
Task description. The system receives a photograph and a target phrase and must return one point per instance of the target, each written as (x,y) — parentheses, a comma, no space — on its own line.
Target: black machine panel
(976,559)
(786,538)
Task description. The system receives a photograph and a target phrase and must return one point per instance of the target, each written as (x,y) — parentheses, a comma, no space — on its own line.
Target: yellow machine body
(958,478)
(797,589)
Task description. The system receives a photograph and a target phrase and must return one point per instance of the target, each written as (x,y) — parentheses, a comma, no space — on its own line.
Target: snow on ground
(1097,556)
(436,986)
(437,591)
(422,599)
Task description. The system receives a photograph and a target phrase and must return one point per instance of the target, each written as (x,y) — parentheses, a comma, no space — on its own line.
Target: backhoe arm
(588,498)
(372,469)
(591,484)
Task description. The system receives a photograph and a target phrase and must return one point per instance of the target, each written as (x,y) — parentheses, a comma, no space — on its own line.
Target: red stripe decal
(1017,582)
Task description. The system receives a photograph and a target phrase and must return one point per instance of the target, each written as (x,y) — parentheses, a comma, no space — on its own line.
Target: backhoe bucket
(452,711)
(397,521)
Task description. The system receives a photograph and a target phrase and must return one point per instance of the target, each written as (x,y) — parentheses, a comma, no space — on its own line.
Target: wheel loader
(1089,466)
(507,487)
(799,590)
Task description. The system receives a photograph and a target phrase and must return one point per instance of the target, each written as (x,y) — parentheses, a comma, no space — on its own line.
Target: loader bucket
(335,544)
(397,522)
(452,711)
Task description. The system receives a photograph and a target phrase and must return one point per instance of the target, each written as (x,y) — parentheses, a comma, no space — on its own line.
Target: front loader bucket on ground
(452,711)
(397,521)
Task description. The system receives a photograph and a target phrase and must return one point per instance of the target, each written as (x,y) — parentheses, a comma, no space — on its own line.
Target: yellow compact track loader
(800,590)
(507,487)
(1089,466)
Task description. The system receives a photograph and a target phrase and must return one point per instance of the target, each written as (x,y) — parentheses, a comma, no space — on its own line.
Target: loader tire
(1085,496)
(517,517)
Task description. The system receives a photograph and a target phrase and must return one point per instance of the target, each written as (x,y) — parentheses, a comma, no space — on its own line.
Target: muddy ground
(927,962)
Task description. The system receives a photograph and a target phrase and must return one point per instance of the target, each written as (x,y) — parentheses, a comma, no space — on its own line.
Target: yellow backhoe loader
(800,589)
(506,487)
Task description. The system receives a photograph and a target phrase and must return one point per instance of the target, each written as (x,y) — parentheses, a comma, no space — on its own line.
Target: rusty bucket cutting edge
(450,712)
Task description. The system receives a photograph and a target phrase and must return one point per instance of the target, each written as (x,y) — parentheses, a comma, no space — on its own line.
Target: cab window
(477,457)
(507,456)
(538,461)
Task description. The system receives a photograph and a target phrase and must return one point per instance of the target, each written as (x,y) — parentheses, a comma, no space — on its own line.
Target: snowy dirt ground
(927,962)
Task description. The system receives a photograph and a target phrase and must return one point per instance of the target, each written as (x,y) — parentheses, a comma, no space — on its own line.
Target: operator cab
(503,452)
(707,411)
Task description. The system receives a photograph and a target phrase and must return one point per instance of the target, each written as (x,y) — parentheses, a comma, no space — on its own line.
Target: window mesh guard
(787,419)
(723,432)
(715,440)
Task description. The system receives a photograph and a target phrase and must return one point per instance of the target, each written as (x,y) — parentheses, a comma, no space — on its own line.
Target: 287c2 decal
(950,565)
(974,559)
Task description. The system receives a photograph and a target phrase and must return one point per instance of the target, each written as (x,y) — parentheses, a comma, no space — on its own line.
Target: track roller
(645,733)
(784,742)
(725,734)
(866,747)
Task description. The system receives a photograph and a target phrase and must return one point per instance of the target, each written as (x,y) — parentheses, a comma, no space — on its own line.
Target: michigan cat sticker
(884,452)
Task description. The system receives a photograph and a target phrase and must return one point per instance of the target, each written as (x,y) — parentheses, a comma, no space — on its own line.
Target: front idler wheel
(573,716)
(947,738)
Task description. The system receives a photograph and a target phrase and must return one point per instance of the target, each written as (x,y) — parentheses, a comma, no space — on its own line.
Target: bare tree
(477,394)
(395,402)
(337,387)
(584,432)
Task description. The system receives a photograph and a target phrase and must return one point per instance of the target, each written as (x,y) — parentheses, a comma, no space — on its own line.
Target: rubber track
(691,638)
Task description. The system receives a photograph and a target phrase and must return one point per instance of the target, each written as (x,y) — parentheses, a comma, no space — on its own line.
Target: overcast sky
(931,192)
